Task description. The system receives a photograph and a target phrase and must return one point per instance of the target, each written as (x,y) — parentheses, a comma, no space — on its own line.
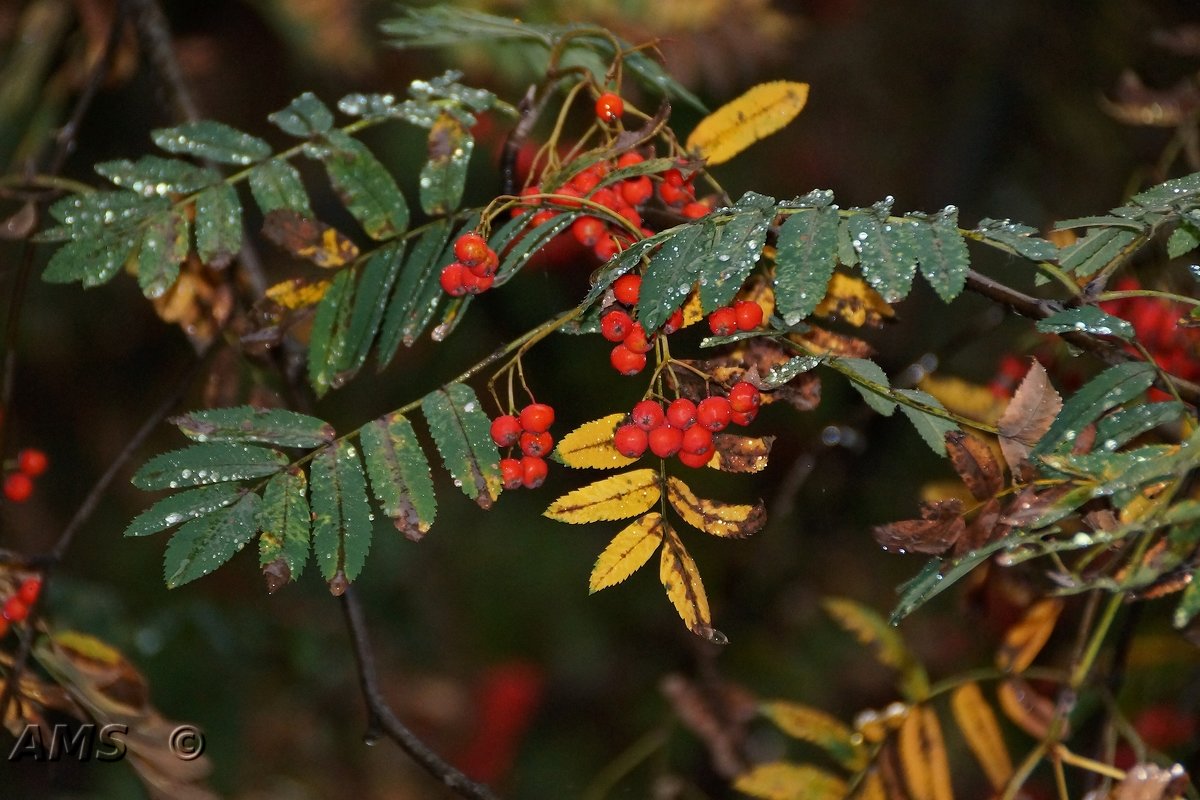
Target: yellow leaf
(872,787)
(615,497)
(852,300)
(711,516)
(681,579)
(872,630)
(627,552)
(692,311)
(923,756)
(1024,640)
(782,780)
(297,293)
(964,398)
(309,238)
(758,113)
(982,732)
(733,453)
(590,445)
(824,730)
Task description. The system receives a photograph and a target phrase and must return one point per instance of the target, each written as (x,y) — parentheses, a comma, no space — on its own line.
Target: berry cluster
(632,341)
(474,271)
(530,430)
(685,428)
(744,315)
(1156,323)
(16,607)
(18,485)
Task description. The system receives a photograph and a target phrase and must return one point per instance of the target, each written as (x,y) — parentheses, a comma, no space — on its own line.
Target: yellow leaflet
(851,299)
(681,579)
(1023,641)
(590,445)
(758,113)
(923,756)
(982,732)
(733,453)
(692,312)
(1028,710)
(711,516)
(872,787)
(615,497)
(297,293)
(783,780)
(872,630)
(964,398)
(627,552)
(88,647)
(824,730)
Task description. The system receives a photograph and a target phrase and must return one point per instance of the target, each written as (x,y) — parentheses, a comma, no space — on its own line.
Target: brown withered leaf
(973,461)
(717,715)
(1030,504)
(985,528)
(1034,406)
(307,238)
(1148,781)
(940,526)
(1134,103)
(1028,710)
(733,453)
(199,302)
(836,344)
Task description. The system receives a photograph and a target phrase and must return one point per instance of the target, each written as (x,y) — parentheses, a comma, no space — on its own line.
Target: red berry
(627,362)
(627,288)
(609,199)
(32,462)
(541,217)
(743,418)
(529,195)
(473,283)
(536,444)
(665,441)
(615,325)
(609,107)
(694,210)
(606,248)
(3,627)
(15,609)
(471,249)
(672,177)
(533,472)
(696,441)
(486,268)
(512,473)
(695,460)
(674,322)
(637,190)
(537,417)
(648,415)
(713,413)
(723,321)
(506,430)
(629,159)
(749,314)
(588,231)
(675,195)
(681,414)
(29,590)
(744,397)
(586,180)
(630,214)
(636,339)
(569,191)
(18,486)
(453,278)
(630,441)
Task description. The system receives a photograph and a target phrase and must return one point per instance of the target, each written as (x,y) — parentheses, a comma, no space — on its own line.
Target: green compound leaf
(214,141)
(1110,388)
(328,350)
(462,433)
(183,506)
(164,247)
(445,173)
(933,429)
(942,253)
(284,520)
(340,513)
(371,300)
(738,248)
(152,176)
(1185,238)
(275,426)
(368,190)
(869,374)
(93,259)
(305,117)
(218,225)
(416,294)
(1171,193)
(1126,424)
(530,244)
(885,254)
(400,474)
(1086,319)
(213,462)
(1017,238)
(805,256)
(276,185)
(1097,250)
(204,544)
(672,272)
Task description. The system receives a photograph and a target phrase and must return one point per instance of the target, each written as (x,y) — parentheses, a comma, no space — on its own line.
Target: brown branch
(382,720)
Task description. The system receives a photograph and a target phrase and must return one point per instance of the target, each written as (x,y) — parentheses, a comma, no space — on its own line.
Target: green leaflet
(1183,239)
(399,474)
(942,254)
(869,373)
(1086,319)
(276,185)
(779,375)
(164,247)
(103,232)
(340,514)
(1110,388)
(444,175)
(204,544)
(152,176)
(371,300)
(884,252)
(1017,238)
(213,462)
(416,293)
(183,506)
(671,274)
(1189,603)
(626,261)
(1175,191)
(739,246)
(805,256)
(284,520)
(304,117)
(529,245)
(933,429)
(938,575)
(364,185)
(1095,251)
(92,259)
(218,225)
(1126,424)
(275,426)
(462,433)
(214,141)
(328,350)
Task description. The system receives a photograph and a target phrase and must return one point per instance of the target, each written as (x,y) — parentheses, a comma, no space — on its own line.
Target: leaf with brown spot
(615,497)
(679,576)
(627,552)
(1028,710)
(979,727)
(852,300)
(591,445)
(733,453)
(975,464)
(1034,406)
(307,238)
(923,756)
(711,516)
(1024,640)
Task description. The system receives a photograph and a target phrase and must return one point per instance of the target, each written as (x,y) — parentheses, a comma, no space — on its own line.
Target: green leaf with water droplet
(783,373)
(417,292)
(213,141)
(212,462)
(218,225)
(204,544)
(92,259)
(1174,191)
(164,247)
(1184,239)
(627,260)
(672,272)
(276,185)
(528,245)
(365,186)
(341,516)
(885,253)
(183,506)
(462,432)
(1097,250)
(1127,424)
(371,300)
(1086,319)
(1017,238)
(1110,388)
(805,256)
(152,176)
(285,522)
(942,254)
(306,116)
(399,472)
(277,426)
(328,350)
(869,379)
(933,428)
(445,172)
(739,245)
(938,575)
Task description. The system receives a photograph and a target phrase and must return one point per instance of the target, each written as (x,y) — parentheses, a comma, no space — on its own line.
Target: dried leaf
(308,238)
(717,713)
(733,453)
(758,113)
(975,464)
(297,293)
(712,516)
(852,300)
(1034,406)
(615,497)
(933,536)
(627,552)
(981,730)
(1024,640)
(591,445)
(1028,710)
(783,780)
(923,756)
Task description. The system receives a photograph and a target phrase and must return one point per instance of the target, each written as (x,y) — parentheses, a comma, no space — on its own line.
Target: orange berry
(665,441)
(627,362)
(609,107)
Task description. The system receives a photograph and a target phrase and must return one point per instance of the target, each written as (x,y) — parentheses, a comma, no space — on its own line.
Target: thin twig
(382,720)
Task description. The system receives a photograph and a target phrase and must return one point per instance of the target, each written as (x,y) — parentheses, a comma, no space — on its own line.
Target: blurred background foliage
(487,639)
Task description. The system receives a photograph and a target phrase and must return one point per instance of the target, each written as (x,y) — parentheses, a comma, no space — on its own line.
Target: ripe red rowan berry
(672,177)
(588,231)
(3,627)
(470,249)
(15,609)
(665,441)
(585,180)
(541,217)
(648,415)
(29,590)
(473,283)
(681,414)
(627,288)
(749,314)
(695,460)
(18,486)
(506,430)
(32,462)
(609,199)
(511,473)
(694,210)
(723,321)
(536,444)
(609,107)
(629,159)
(714,413)
(636,339)
(627,362)
(615,325)
(533,471)
(537,417)
(606,248)
(637,190)
(696,441)
(743,418)
(630,440)
(674,322)
(452,279)
(744,397)
(487,267)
